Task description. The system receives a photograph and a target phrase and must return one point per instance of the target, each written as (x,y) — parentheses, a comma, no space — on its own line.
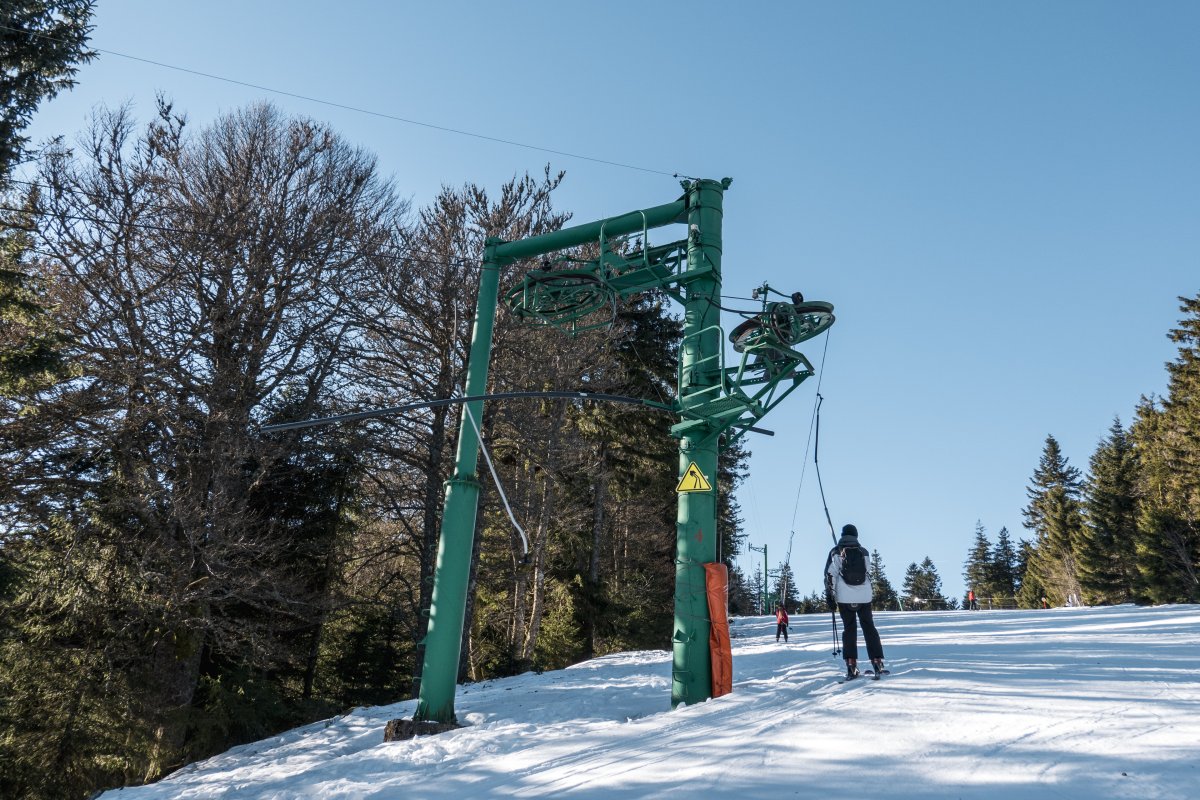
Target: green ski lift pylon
(711,401)
(447,611)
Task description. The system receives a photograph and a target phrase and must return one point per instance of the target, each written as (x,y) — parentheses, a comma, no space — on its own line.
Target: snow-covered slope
(1065,703)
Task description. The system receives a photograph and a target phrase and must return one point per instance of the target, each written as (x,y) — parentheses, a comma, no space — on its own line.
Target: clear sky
(1002,200)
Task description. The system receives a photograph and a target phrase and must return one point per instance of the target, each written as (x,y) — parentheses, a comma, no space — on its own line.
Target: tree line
(921,590)
(1128,530)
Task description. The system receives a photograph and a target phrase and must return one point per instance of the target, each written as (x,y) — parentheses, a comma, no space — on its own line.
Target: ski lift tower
(716,404)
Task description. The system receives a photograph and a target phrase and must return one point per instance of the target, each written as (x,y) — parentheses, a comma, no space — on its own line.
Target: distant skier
(781,622)
(972,603)
(847,583)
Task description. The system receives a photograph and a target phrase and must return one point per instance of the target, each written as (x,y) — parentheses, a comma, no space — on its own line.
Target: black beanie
(850,531)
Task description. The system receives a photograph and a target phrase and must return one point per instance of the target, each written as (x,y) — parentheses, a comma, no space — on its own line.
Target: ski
(876,675)
(847,680)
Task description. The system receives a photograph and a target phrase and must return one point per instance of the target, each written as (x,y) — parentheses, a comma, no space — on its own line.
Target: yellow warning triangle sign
(693,480)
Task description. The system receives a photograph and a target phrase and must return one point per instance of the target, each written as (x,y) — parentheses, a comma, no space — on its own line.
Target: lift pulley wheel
(782,324)
(561,297)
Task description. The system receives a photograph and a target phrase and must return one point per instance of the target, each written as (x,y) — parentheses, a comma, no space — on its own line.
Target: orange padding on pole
(716,581)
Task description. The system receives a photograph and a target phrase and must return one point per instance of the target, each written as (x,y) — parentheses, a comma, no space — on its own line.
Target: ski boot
(877,668)
(851,668)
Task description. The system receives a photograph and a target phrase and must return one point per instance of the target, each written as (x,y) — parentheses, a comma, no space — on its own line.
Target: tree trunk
(591,586)
(177,667)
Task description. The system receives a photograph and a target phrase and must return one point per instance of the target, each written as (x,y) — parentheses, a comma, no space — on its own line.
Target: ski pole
(833,622)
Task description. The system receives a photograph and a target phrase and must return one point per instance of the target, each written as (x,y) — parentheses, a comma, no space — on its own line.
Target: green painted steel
(447,611)
(632,222)
(714,401)
(701,378)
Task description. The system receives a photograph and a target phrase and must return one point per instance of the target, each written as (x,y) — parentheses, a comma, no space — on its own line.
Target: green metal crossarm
(656,217)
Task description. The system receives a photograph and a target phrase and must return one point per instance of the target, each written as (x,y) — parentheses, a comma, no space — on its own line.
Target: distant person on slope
(847,583)
(781,622)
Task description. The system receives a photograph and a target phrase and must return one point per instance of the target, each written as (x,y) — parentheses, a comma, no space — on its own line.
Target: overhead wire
(359,110)
(461,391)
(811,424)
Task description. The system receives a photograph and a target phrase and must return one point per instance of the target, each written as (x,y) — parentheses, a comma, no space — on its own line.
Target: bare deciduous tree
(206,282)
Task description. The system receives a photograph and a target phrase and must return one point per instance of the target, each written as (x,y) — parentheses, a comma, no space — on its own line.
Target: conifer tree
(741,593)
(1107,558)
(784,589)
(1004,570)
(1054,513)
(923,587)
(1030,590)
(978,571)
(1167,441)
(30,344)
(813,603)
(885,594)
(759,585)
(42,42)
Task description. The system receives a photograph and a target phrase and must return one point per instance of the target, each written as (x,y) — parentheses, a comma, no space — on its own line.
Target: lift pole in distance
(763,588)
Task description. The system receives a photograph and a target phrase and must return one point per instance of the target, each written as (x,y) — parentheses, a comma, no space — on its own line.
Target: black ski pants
(781,630)
(852,615)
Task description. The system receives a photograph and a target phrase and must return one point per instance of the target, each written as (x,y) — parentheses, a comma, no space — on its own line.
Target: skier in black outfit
(847,582)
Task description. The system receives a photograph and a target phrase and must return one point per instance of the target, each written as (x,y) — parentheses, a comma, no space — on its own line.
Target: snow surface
(1065,703)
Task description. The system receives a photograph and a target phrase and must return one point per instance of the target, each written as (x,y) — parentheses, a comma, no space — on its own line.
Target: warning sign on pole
(693,480)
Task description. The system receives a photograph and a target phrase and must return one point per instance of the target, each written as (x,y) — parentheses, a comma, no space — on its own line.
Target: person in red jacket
(781,622)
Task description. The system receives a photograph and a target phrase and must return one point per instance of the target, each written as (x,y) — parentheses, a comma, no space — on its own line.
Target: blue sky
(1002,200)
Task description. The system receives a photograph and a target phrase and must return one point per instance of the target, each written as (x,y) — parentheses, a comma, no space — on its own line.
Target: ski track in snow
(1065,703)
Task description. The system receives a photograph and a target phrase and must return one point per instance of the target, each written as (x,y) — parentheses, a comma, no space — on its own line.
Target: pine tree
(939,601)
(1167,442)
(759,585)
(1107,558)
(784,589)
(1054,513)
(813,603)
(978,571)
(923,587)
(1030,591)
(741,593)
(1004,571)
(30,345)
(42,42)
(885,594)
